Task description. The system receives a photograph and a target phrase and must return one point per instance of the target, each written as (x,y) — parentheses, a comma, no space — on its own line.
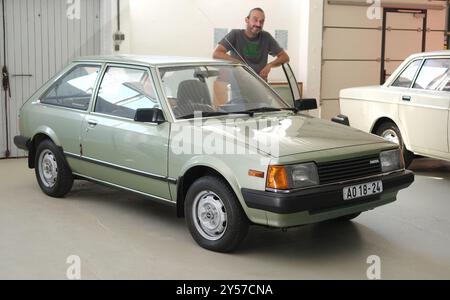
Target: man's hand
(265,71)
(282,58)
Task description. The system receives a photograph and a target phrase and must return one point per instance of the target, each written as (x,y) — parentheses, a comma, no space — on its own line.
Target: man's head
(255,21)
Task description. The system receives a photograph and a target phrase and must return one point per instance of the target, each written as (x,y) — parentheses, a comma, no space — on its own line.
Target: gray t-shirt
(254,51)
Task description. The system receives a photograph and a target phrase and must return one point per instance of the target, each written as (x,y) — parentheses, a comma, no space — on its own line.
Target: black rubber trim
(135,172)
(322,198)
(22,142)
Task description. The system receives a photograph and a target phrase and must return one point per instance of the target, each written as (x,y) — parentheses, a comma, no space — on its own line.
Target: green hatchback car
(210,138)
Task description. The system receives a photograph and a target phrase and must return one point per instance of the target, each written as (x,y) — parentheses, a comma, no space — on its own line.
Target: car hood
(282,134)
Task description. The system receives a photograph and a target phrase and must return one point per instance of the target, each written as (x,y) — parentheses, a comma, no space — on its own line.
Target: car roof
(412,57)
(432,53)
(152,60)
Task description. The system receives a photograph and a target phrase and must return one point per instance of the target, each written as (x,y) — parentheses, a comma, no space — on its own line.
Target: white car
(411,108)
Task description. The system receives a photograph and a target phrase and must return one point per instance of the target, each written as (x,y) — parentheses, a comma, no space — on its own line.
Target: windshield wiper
(252,111)
(204,114)
(249,112)
(295,110)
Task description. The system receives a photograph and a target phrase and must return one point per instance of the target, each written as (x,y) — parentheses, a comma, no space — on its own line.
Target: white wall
(186,27)
(108,26)
(310,50)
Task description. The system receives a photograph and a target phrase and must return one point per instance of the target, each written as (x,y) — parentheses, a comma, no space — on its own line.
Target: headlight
(292,176)
(391,160)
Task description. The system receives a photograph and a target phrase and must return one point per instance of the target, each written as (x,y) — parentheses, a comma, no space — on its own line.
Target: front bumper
(324,198)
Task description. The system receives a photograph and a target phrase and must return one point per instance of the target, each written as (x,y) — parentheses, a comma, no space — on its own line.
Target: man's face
(255,22)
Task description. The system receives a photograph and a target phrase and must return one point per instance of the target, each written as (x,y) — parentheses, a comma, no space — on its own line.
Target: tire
(390,132)
(347,217)
(52,171)
(214,215)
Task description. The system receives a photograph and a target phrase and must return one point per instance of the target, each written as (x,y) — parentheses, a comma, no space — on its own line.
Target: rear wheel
(214,215)
(390,132)
(52,171)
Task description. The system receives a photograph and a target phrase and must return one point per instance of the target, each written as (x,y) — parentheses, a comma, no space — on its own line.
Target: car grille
(348,169)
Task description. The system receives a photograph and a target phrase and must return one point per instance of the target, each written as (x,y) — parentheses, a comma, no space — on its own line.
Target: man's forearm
(281,59)
(224,56)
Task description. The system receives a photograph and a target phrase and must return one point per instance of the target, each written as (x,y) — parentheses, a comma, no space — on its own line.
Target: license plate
(362,190)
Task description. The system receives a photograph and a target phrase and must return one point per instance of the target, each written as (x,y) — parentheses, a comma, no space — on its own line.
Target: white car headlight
(391,160)
(303,175)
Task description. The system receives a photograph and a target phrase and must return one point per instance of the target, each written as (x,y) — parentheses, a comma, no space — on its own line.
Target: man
(252,45)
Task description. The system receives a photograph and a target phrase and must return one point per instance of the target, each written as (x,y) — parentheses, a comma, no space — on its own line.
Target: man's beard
(256,30)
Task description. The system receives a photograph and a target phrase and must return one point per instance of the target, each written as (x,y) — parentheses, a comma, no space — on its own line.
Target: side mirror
(151,115)
(305,104)
(341,119)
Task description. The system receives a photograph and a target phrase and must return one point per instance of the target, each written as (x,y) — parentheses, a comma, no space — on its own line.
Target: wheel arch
(189,177)
(403,134)
(37,138)
(378,123)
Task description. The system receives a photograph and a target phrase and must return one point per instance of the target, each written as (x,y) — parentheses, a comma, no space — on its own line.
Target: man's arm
(221,53)
(282,58)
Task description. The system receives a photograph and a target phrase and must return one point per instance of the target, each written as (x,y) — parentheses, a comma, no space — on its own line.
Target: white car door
(424,108)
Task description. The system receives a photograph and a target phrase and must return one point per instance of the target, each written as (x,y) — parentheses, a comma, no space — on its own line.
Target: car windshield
(217,90)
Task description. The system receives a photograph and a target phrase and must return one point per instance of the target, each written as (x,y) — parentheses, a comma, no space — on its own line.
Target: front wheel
(389,131)
(214,215)
(52,172)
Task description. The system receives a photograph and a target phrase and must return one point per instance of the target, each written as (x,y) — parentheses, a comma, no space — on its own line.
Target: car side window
(407,76)
(74,89)
(434,75)
(124,90)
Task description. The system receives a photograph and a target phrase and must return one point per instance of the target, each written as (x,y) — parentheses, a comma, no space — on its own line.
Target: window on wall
(124,90)
(434,75)
(74,89)
(407,76)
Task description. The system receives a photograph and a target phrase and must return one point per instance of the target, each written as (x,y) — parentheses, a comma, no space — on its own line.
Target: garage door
(39,38)
(353,44)
(3,121)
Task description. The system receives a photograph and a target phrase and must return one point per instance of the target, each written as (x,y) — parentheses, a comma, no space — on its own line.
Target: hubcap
(48,168)
(391,136)
(210,216)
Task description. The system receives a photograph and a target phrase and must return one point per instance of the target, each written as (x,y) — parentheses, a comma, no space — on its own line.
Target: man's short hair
(255,9)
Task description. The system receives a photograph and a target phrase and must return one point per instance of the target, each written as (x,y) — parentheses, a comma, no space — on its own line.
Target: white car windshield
(215,90)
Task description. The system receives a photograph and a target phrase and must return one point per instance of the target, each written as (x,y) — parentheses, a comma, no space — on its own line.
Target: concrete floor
(118,235)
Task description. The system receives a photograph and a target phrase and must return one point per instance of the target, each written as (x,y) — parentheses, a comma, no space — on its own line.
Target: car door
(65,103)
(424,108)
(115,148)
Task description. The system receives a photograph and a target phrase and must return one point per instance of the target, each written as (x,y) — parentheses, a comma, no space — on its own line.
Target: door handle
(92,123)
(21,75)
(406,98)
